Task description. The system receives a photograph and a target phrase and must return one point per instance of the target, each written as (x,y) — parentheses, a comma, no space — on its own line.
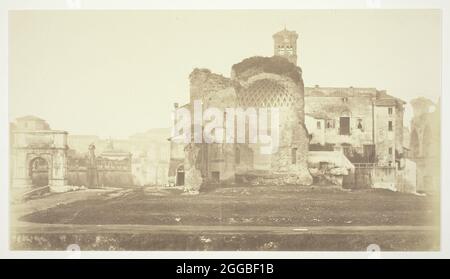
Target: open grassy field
(287,218)
(246,206)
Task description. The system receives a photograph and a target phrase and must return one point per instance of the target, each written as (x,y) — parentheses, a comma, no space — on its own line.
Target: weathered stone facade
(365,123)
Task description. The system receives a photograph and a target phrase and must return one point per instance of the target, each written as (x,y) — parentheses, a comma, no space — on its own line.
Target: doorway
(180,176)
(215,176)
(344,126)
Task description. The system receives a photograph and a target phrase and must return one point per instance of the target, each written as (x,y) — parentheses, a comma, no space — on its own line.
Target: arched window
(360,125)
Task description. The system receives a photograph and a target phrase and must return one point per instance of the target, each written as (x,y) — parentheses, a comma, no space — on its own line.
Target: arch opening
(38,170)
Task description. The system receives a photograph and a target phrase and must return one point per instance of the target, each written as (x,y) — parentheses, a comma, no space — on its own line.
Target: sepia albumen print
(225,130)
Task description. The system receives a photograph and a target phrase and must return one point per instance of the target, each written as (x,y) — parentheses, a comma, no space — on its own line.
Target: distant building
(151,154)
(30,123)
(425,145)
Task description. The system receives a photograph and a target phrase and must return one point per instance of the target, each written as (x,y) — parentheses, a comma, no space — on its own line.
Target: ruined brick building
(326,134)
(255,82)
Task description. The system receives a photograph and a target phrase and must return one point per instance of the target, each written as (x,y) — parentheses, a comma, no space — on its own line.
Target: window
(319,125)
(390,150)
(289,49)
(280,50)
(390,111)
(330,123)
(294,155)
(360,126)
(390,125)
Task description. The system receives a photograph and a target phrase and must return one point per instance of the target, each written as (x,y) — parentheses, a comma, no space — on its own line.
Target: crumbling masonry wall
(257,82)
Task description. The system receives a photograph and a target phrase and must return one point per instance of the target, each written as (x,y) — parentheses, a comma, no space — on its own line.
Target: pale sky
(115,73)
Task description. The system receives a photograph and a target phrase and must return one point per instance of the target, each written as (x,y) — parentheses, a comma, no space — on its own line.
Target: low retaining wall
(309,241)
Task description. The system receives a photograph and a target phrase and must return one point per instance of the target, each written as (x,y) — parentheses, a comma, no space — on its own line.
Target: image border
(64,5)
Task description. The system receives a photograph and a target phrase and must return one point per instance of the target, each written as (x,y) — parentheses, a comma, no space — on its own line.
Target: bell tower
(285,45)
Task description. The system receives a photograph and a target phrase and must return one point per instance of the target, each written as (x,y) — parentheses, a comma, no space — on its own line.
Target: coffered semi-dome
(266,93)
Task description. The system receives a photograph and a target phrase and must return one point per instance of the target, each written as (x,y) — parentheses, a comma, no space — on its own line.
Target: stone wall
(375,177)
(330,168)
(205,85)
(111,173)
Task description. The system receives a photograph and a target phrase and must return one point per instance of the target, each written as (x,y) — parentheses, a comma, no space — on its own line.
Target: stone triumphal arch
(35,147)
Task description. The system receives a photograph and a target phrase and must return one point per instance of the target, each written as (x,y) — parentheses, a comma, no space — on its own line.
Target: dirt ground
(265,218)
(260,206)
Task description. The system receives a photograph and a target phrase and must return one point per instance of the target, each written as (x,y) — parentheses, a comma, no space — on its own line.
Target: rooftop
(382,98)
(29,117)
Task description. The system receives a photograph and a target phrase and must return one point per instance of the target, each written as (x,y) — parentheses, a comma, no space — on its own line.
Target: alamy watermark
(227,125)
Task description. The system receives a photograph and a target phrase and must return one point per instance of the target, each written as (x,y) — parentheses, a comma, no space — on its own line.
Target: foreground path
(24,227)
